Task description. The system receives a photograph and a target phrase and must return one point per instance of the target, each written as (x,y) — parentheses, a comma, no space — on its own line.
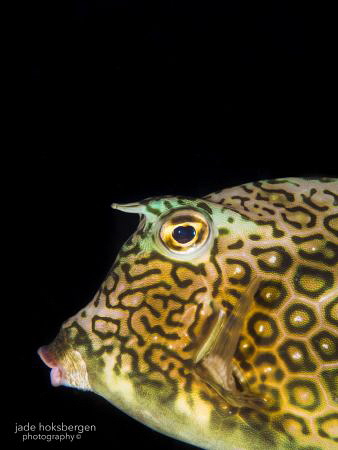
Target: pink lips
(50,361)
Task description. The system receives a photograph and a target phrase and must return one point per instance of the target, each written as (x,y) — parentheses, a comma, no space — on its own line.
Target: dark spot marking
(304,322)
(246,189)
(270,294)
(169,319)
(213,260)
(275,231)
(290,197)
(245,366)
(245,279)
(322,279)
(167,204)
(190,330)
(246,353)
(308,201)
(228,306)
(293,388)
(299,225)
(243,200)
(274,404)
(335,196)
(158,329)
(265,358)
(255,237)
(279,425)
(144,289)
(268,210)
(155,211)
(284,260)
(321,423)
(200,269)
(165,299)
(300,239)
(303,363)
(153,311)
(126,269)
(279,375)
(329,312)
(259,196)
(116,280)
(238,244)
(326,345)
(321,254)
(205,207)
(328,225)
(223,231)
(188,379)
(235,293)
(260,339)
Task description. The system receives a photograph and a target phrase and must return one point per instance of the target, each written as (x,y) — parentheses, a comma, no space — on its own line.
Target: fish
(217,323)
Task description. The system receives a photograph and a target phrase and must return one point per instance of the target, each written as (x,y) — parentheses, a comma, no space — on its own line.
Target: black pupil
(184,234)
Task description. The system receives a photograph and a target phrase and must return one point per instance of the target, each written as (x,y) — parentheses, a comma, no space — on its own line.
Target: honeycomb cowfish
(217,324)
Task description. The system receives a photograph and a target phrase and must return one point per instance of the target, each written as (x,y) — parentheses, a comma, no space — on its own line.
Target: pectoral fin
(213,360)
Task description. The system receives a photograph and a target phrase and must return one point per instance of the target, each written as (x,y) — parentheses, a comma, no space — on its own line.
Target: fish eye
(184,234)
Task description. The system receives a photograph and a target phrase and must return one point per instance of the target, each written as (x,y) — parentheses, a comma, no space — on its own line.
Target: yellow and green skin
(225,338)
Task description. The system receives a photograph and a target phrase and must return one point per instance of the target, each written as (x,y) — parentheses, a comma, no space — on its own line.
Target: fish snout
(68,367)
(50,360)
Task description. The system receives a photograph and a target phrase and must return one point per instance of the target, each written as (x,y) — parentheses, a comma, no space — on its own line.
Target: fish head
(139,339)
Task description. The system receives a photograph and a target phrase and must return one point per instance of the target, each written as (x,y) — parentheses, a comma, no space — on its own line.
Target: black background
(130,99)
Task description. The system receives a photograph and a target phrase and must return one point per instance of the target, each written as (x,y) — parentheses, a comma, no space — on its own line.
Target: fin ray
(213,360)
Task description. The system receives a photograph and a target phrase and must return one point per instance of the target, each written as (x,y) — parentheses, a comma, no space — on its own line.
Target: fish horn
(130,207)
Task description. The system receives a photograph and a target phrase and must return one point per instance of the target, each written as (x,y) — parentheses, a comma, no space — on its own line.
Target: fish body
(217,323)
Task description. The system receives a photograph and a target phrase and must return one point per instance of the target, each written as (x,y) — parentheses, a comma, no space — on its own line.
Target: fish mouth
(56,374)
(68,367)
